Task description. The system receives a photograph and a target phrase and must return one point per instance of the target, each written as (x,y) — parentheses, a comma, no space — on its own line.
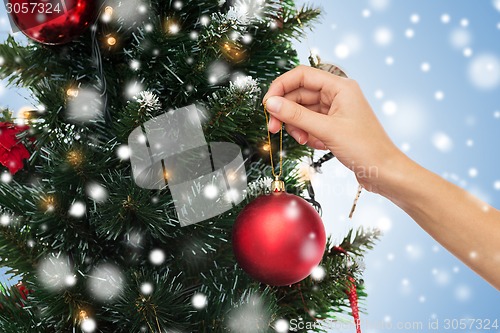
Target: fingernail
(320,146)
(273,104)
(296,135)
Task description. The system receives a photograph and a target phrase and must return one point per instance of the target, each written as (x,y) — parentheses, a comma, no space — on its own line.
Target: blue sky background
(445,115)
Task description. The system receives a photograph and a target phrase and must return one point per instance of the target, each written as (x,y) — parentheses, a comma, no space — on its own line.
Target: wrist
(391,172)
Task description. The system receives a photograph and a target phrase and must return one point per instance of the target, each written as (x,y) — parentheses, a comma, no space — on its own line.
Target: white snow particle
(5,220)
(460,38)
(85,105)
(342,51)
(469,143)
(414,18)
(383,36)
(135,64)
(445,18)
(366,13)
(463,293)
(88,325)
(379,4)
(410,33)
(157,257)
(468,52)
(496,185)
(194,35)
(133,89)
(105,282)
(379,94)
(281,326)
(146,288)
(318,273)
(473,172)
(496,114)
(391,256)
(199,301)
(70,280)
(496,4)
(210,191)
(204,20)
(389,61)
(439,95)
(442,142)
(384,224)
(484,72)
(97,192)
(464,22)
(405,147)
(390,108)
(6,177)
(178,5)
(123,152)
(421,299)
(53,271)
(77,209)
(425,67)
(405,282)
(247,39)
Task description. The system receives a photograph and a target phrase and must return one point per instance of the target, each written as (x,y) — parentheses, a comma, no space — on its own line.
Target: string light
(111,41)
(108,10)
(72,92)
(48,203)
(171,26)
(233,51)
(75,158)
(82,315)
(266,147)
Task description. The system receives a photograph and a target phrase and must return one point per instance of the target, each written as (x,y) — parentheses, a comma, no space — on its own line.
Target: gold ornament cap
(277,185)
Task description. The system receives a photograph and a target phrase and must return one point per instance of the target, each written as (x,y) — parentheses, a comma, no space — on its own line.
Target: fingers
(304,96)
(307,77)
(274,125)
(298,116)
(299,135)
(316,143)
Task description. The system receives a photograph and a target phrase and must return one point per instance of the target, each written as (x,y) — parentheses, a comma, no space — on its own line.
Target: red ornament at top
(12,152)
(278,239)
(52,21)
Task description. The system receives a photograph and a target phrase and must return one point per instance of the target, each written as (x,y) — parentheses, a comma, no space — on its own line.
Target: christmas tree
(94,251)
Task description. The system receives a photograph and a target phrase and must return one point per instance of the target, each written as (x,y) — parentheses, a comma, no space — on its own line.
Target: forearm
(467,227)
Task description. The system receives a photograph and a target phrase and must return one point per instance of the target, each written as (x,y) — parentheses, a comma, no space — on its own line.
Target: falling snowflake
(383,36)
(84,105)
(199,301)
(54,272)
(105,282)
(77,209)
(318,273)
(157,257)
(484,72)
(146,288)
(442,142)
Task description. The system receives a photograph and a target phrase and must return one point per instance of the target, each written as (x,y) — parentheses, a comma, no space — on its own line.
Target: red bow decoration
(12,151)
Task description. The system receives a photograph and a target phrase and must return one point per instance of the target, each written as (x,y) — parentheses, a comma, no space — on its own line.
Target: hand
(329,112)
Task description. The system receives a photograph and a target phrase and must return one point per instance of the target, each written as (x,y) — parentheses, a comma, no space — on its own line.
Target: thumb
(297,115)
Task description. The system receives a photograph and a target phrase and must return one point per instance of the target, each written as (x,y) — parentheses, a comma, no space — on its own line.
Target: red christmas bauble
(52,22)
(278,239)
